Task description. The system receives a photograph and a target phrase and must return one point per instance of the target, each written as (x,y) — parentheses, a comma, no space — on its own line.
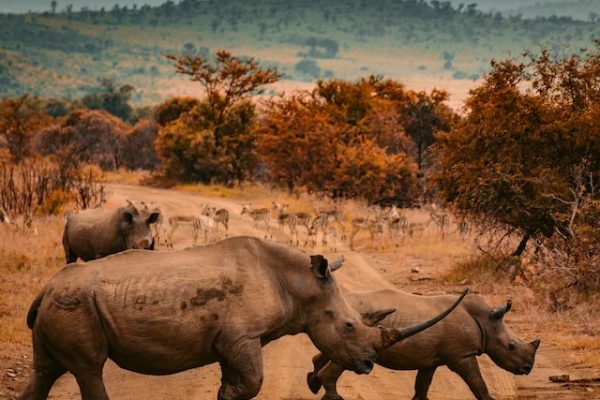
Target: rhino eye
(511,346)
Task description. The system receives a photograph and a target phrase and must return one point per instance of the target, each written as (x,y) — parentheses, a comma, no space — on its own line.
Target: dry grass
(126,177)
(28,258)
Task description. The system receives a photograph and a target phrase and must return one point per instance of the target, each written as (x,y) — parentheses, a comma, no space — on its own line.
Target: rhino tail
(33,310)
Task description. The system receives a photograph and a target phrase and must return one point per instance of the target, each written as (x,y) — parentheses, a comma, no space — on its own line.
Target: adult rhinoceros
(472,329)
(98,232)
(165,312)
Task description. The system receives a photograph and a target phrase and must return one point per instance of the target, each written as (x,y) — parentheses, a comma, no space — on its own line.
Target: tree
(508,160)
(20,120)
(111,98)
(213,140)
(53,5)
(422,116)
(226,82)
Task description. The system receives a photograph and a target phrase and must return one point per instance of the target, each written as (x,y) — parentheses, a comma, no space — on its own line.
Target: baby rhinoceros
(98,232)
(472,329)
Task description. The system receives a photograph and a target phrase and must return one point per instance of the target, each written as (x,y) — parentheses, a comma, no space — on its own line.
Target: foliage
(112,99)
(138,146)
(342,138)
(88,136)
(526,127)
(20,119)
(213,141)
(173,108)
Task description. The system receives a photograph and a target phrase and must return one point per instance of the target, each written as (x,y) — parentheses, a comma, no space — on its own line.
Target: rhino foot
(313,382)
(332,397)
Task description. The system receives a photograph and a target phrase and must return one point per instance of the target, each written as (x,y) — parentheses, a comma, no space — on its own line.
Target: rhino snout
(364,366)
(525,369)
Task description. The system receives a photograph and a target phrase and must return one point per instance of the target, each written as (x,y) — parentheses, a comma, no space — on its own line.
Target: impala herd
(303,228)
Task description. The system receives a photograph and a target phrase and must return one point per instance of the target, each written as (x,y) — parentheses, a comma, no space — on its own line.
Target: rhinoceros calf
(98,232)
(472,329)
(164,312)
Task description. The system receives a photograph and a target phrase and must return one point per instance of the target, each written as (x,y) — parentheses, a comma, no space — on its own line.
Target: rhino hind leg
(422,383)
(468,369)
(241,369)
(46,370)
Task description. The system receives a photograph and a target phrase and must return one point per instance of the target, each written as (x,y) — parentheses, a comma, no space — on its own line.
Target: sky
(23,6)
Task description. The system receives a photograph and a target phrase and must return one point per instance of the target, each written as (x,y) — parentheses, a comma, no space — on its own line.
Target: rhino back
(94,233)
(161,311)
(454,337)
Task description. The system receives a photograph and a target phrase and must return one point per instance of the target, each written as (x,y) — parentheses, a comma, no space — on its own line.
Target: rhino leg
(468,369)
(241,368)
(422,383)
(319,361)
(46,370)
(329,376)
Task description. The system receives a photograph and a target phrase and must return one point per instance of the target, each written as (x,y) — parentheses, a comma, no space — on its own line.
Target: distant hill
(63,55)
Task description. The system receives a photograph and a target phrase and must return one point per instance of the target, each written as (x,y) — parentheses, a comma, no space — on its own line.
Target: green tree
(111,98)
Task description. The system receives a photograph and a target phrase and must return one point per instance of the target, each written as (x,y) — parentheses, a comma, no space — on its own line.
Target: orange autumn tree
(509,161)
(212,140)
(343,138)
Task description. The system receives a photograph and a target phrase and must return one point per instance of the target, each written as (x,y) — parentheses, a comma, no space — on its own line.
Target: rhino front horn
(536,343)
(499,312)
(391,336)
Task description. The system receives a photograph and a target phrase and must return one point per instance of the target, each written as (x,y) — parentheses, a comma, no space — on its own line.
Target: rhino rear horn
(336,264)
(373,318)
(499,312)
(391,336)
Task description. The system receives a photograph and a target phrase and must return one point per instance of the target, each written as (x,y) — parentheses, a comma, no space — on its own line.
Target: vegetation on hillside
(68,51)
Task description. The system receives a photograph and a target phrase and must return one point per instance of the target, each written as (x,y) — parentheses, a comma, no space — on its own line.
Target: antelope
(305,220)
(222,217)
(259,215)
(439,218)
(204,224)
(374,224)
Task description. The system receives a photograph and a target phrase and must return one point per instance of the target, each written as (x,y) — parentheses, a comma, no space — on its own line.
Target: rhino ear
(320,266)
(153,217)
(373,318)
(127,217)
(536,343)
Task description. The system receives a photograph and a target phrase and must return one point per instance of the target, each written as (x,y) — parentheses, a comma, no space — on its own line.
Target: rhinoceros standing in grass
(98,232)
(472,329)
(165,312)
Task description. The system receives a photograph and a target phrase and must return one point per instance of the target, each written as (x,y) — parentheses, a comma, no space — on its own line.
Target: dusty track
(288,360)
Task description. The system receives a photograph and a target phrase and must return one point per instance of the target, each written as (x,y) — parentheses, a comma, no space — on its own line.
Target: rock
(415,270)
(11,373)
(421,278)
(559,378)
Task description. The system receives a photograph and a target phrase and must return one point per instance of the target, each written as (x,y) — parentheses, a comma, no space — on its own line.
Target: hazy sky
(22,6)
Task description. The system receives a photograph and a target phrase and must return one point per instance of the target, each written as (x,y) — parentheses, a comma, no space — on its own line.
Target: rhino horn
(336,264)
(373,318)
(391,336)
(536,343)
(499,312)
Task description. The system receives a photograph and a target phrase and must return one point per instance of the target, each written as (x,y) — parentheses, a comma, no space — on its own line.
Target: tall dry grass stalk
(27,261)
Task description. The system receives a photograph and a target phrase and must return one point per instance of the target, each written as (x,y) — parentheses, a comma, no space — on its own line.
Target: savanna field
(435,146)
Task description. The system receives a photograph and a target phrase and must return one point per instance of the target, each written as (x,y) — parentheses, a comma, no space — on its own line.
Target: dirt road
(287,360)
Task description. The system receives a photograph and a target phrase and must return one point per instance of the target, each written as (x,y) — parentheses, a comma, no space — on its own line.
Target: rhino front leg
(468,369)
(319,361)
(329,376)
(241,369)
(422,383)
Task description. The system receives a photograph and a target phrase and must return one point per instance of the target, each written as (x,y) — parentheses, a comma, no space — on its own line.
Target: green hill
(63,55)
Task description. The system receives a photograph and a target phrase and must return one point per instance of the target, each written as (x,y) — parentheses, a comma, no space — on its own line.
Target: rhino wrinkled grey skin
(472,329)
(165,312)
(98,232)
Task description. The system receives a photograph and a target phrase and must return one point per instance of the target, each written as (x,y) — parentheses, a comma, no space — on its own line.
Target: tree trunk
(521,248)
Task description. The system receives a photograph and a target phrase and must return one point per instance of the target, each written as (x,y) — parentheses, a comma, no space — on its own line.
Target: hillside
(422,44)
